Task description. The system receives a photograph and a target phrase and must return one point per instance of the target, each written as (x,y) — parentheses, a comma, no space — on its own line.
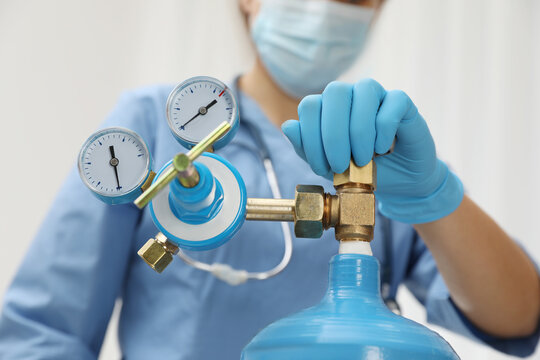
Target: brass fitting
(158,252)
(351,211)
(363,176)
(148,181)
(356,215)
(309,211)
(354,190)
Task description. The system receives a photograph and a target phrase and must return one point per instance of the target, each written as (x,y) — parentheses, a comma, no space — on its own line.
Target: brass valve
(351,211)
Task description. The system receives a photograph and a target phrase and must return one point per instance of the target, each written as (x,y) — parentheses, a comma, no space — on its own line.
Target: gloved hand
(413,185)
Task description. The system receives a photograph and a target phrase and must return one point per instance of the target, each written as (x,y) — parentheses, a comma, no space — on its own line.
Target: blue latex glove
(413,185)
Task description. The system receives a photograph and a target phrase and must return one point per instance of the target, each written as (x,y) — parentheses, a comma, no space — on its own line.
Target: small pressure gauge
(114,163)
(197,106)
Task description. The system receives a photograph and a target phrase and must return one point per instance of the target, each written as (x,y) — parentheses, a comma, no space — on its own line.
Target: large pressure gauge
(197,106)
(114,163)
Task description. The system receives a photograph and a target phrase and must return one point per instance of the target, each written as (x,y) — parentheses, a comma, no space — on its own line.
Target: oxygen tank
(351,322)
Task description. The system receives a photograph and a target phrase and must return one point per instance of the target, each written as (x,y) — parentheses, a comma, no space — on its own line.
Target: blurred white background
(472,68)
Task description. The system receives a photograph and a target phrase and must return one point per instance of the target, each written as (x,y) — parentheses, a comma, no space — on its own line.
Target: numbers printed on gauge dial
(114,162)
(197,106)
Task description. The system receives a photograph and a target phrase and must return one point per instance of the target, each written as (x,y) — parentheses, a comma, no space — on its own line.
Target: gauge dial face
(114,161)
(197,106)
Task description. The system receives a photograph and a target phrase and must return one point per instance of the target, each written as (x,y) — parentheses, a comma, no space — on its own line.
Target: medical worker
(469,274)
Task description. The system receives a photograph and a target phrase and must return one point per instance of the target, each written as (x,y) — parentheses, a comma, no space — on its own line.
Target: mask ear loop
(234,276)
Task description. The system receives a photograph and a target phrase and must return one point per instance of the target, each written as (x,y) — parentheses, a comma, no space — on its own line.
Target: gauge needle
(202,111)
(114,163)
(214,102)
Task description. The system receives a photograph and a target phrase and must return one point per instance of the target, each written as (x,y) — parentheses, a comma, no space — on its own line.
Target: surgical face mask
(305,44)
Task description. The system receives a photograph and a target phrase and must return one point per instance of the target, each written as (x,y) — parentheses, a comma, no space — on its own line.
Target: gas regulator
(198,199)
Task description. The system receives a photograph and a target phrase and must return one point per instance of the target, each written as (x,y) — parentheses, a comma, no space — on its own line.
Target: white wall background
(471,66)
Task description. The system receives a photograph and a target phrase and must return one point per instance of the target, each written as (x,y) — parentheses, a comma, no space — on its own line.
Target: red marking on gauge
(221,93)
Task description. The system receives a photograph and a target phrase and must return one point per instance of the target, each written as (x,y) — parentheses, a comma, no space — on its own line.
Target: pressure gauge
(114,163)
(197,106)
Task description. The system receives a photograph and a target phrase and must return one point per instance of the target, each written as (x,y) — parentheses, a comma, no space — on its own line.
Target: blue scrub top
(84,257)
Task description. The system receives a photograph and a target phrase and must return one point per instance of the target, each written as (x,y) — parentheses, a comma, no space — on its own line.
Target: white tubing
(355,247)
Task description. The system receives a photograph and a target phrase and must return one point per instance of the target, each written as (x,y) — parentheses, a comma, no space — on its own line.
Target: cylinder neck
(354,276)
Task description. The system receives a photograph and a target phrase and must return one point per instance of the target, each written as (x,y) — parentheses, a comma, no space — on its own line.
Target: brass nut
(155,255)
(358,174)
(309,211)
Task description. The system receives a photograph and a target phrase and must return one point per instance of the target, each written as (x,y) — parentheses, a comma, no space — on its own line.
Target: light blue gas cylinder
(351,322)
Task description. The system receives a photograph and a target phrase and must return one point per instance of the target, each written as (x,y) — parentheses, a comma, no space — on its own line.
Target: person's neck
(275,104)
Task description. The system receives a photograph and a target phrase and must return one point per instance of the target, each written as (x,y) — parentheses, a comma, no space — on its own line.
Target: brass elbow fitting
(351,211)
(354,193)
